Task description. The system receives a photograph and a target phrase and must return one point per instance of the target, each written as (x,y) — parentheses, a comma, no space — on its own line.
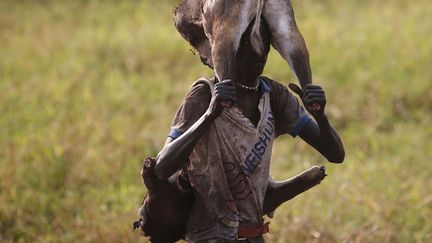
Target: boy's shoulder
(274,85)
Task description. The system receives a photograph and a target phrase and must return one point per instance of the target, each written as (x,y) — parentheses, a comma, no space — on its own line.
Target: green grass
(89,88)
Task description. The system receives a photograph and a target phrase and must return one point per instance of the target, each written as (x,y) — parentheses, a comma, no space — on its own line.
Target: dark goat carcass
(165,209)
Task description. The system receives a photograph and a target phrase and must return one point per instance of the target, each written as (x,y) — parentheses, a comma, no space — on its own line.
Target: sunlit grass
(88,89)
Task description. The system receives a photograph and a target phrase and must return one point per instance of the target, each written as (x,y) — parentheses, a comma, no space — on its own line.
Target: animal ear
(296,89)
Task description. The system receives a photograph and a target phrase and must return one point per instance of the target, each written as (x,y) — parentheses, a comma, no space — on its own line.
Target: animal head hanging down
(214,29)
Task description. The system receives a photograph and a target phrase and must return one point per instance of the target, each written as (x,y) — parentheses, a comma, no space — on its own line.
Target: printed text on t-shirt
(254,157)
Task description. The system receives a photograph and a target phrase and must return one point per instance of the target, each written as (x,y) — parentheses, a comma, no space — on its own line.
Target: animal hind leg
(279,192)
(287,39)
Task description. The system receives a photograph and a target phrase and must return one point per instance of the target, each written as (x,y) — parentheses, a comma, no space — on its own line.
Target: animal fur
(214,28)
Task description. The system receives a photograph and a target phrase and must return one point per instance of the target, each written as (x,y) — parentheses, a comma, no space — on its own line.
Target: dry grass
(89,88)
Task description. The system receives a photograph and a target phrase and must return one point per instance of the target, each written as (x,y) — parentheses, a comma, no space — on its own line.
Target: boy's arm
(176,152)
(318,132)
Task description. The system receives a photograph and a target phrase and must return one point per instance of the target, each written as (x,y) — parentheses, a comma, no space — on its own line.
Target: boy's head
(247,59)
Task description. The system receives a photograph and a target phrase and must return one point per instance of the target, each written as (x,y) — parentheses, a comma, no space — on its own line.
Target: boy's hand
(313,97)
(225,96)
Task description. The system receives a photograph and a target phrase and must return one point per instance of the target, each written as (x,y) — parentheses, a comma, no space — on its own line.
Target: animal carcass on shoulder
(214,28)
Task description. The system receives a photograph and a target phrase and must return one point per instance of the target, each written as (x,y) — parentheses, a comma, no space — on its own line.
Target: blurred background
(88,89)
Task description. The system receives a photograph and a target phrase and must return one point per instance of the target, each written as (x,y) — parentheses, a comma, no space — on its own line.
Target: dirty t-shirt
(229,166)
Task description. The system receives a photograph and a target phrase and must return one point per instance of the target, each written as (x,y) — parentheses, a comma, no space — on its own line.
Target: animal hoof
(317,173)
(323,171)
(148,167)
(148,163)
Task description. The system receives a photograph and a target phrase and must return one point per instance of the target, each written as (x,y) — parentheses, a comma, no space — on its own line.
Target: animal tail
(255,33)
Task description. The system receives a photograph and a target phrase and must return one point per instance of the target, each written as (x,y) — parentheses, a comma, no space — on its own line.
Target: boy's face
(247,60)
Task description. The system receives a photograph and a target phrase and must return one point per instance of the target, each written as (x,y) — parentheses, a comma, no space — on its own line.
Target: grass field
(89,88)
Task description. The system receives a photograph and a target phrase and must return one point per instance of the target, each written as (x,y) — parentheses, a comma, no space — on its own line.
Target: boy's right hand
(225,96)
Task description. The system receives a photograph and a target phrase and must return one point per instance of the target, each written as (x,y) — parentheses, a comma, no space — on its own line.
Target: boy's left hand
(313,97)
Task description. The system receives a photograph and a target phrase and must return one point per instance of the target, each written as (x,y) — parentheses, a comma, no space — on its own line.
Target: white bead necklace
(255,87)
